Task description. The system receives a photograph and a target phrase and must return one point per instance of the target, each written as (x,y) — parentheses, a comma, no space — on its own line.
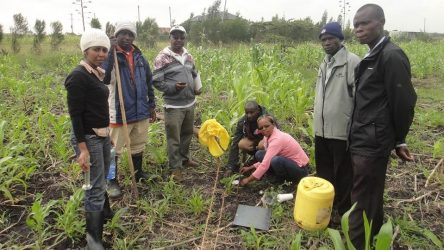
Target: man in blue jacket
(383,112)
(138,95)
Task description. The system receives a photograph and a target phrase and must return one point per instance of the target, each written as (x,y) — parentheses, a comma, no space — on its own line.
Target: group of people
(95,107)
(363,109)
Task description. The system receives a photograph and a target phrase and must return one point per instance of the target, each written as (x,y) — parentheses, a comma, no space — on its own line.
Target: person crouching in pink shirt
(283,157)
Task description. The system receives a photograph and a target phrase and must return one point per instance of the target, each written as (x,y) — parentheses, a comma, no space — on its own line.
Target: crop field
(40,183)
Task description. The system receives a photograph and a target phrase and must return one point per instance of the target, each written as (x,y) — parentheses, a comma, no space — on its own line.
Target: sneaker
(113,189)
(190,163)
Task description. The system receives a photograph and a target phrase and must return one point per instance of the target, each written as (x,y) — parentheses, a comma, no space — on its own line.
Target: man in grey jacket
(332,111)
(176,76)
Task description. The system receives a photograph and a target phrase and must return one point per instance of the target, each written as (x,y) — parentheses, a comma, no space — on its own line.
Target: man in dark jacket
(383,112)
(245,137)
(138,95)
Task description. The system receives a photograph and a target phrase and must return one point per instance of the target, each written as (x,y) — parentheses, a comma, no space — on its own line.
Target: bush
(56,36)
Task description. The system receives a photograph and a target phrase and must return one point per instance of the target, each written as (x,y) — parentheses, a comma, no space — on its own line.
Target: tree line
(212,26)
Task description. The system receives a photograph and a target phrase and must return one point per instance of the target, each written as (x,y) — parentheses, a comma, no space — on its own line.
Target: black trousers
(368,190)
(333,164)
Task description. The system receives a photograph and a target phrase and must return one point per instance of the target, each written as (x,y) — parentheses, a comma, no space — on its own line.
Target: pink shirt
(280,144)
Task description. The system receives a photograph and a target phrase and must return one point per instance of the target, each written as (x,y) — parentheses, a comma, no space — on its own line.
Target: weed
(69,220)
(36,220)
(196,203)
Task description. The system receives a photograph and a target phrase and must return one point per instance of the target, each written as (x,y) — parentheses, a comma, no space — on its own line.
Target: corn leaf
(384,237)
(335,236)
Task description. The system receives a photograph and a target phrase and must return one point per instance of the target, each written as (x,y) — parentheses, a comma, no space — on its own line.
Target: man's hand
(180,85)
(153,116)
(113,42)
(404,153)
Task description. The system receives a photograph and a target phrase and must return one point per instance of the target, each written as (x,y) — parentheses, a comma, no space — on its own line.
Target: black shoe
(137,162)
(94,230)
(113,189)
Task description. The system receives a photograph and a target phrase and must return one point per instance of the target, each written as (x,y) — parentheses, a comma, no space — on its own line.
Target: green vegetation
(40,195)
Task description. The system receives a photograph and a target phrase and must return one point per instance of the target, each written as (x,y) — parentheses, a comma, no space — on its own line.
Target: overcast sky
(404,15)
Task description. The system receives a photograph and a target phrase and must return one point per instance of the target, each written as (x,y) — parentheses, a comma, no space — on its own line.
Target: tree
(18,31)
(348,32)
(148,32)
(39,36)
(56,35)
(109,29)
(323,19)
(95,23)
(1,33)
(340,20)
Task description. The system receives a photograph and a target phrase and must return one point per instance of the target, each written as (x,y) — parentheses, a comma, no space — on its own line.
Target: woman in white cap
(88,109)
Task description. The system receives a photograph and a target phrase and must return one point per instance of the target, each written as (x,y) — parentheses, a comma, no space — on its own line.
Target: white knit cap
(94,37)
(126,25)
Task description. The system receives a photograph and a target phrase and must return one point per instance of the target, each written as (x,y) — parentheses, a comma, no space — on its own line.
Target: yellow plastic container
(313,203)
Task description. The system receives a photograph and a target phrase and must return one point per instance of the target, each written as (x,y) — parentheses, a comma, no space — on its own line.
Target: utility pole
(225,11)
(138,13)
(344,8)
(82,5)
(424,25)
(171,25)
(72,24)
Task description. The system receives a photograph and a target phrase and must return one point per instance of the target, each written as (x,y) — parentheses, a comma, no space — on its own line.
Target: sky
(403,15)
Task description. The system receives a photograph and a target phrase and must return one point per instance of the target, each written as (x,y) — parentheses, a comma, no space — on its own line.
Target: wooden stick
(415,187)
(220,218)
(395,234)
(433,172)
(125,126)
(415,199)
(218,163)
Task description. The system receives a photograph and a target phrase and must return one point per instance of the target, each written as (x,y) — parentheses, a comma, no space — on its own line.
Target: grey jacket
(334,96)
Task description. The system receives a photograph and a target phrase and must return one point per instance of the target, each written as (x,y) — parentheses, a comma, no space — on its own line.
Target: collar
(98,72)
(168,51)
(120,49)
(340,58)
(376,46)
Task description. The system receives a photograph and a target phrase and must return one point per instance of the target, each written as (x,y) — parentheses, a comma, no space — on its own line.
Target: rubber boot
(137,162)
(108,213)
(113,188)
(94,230)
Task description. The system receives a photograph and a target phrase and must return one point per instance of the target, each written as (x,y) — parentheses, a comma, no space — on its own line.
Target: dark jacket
(138,94)
(384,101)
(87,102)
(244,129)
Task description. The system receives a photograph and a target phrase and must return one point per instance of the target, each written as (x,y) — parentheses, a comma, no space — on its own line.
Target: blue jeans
(283,168)
(100,156)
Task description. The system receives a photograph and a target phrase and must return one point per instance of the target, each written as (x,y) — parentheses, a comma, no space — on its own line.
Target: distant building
(411,35)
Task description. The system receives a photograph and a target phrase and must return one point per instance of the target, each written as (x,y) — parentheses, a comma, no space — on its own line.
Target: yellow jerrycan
(313,203)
